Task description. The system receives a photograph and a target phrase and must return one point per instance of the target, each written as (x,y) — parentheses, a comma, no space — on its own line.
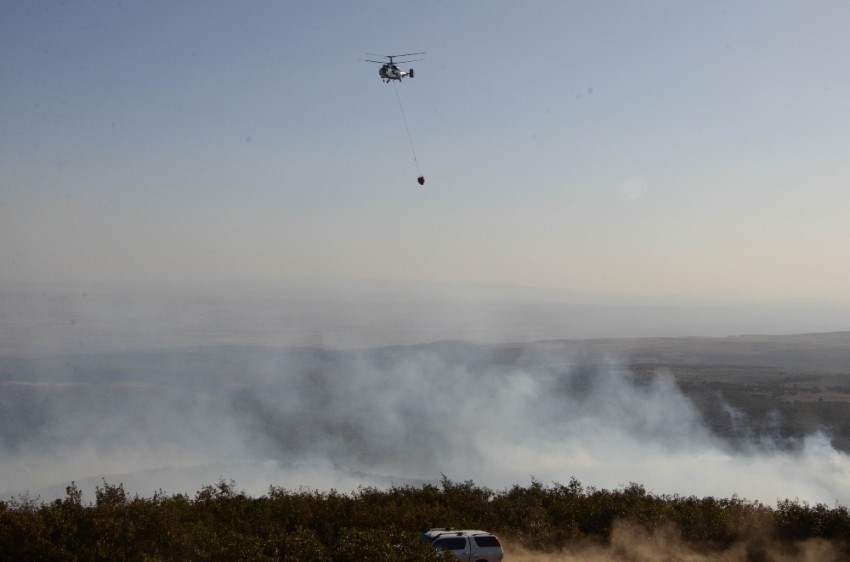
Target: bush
(222,523)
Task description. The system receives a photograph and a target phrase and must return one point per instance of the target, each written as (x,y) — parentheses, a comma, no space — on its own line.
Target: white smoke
(498,415)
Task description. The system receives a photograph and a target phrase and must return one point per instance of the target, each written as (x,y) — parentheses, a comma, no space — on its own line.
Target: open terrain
(406,414)
(712,426)
(782,387)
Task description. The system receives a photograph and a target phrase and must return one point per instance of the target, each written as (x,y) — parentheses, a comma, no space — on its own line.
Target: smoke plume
(307,417)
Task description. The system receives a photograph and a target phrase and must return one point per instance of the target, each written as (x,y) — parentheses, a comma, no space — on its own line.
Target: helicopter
(389,70)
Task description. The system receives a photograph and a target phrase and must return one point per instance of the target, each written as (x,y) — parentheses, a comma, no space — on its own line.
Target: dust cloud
(631,543)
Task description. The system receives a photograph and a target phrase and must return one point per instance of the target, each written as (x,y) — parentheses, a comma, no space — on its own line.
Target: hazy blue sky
(694,149)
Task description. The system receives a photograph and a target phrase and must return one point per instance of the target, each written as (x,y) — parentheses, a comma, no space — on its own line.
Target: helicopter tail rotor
(410,73)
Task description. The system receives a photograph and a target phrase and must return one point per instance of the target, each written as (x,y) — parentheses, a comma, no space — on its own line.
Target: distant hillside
(814,353)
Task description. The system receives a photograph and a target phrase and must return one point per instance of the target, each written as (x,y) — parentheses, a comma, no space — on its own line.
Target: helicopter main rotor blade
(394,56)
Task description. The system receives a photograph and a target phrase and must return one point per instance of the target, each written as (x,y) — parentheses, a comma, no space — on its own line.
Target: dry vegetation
(537,522)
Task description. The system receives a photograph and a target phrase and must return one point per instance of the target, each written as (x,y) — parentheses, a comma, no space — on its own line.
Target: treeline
(222,523)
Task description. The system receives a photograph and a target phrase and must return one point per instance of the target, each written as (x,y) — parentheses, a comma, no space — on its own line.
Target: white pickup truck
(466,545)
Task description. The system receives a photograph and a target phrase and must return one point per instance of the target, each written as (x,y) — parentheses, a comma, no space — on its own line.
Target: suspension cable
(409,137)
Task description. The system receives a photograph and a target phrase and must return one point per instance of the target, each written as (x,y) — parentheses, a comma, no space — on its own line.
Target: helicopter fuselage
(392,72)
